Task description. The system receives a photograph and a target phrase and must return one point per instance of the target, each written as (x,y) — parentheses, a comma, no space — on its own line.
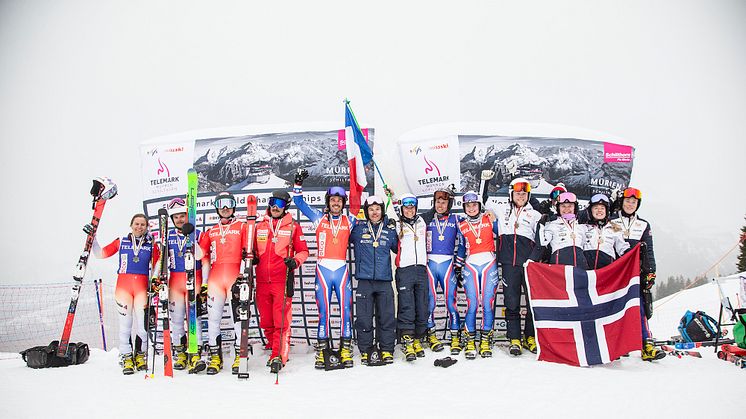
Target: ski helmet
(519,184)
(103,188)
(335,191)
(224,199)
(633,193)
(471,196)
(280,198)
(408,200)
(447,193)
(176,206)
(372,200)
(599,199)
(567,197)
(556,191)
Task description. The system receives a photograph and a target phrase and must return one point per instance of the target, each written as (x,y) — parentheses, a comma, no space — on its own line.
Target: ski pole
(99,286)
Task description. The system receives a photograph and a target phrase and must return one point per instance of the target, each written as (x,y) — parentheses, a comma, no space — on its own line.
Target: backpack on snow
(697,327)
(46,356)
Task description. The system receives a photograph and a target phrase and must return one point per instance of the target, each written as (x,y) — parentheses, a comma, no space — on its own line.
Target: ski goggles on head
(225,203)
(441,195)
(522,187)
(176,203)
(409,202)
(470,197)
(599,198)
(632,192)
(278,203)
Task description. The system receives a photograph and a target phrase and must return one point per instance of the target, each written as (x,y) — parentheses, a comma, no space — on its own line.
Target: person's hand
(291,263)
(459,276)
(300,175)
(649,280)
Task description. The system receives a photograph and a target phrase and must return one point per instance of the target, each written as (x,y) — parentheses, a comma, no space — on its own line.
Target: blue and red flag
(358,155)
(586,317)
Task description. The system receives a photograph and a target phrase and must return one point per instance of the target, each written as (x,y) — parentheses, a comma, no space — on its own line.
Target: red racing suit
(275,240)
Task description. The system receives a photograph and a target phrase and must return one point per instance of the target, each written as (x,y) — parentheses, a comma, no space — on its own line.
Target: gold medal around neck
(135,259)
(478,240)
(222,241)
(335,241)
(375,244)
(441,237)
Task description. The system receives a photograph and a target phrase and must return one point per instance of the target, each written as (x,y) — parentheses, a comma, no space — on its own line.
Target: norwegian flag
(586,317)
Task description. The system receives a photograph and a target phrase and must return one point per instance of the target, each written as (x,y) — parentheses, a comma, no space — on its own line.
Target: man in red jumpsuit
(280,247)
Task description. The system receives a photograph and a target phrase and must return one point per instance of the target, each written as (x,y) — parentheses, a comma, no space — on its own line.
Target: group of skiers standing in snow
(435,249)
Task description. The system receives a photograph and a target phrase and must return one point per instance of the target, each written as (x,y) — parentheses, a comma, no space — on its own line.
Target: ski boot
(418,349)
(236,360)
(216,360)
(275,365)
(141,361)
(485,344)
(529,342)
(470,351)
(363,358)
(433,341)
(650,352)
(345,353)
(180,358)
(387,357)
(127,364)
(515,347)
(196,364)
(407,346)
(320,346)
(455,342)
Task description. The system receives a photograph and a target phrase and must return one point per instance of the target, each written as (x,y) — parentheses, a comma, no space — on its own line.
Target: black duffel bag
(46,356)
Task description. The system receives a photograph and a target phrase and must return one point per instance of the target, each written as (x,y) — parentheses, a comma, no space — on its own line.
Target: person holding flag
(604,241)
(518,223)
(636,230)
(332,238)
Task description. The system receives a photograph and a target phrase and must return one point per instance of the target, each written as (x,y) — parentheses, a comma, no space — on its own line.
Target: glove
(445,362)
(616,193)
(300,175)
(649,280)
(88,229)
(255,261)
(291,263)
(388,191)
(544,218)
(459,276)
(391,224)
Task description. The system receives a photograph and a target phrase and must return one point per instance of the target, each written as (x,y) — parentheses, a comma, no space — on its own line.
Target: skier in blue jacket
(373,243)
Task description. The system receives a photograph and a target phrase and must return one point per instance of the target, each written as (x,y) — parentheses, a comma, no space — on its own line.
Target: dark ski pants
(414,295)
(514,282)
(375,297)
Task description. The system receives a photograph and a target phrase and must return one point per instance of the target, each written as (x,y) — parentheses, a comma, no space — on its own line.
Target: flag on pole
(586,317)
(358,155)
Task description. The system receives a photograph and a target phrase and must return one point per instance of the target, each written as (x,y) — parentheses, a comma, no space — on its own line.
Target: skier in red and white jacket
(280,248)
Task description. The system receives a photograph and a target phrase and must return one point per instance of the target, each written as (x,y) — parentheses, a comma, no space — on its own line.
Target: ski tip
(251,199)
(162,212)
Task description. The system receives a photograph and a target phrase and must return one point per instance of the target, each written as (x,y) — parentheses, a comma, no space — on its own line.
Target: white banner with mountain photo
(254,160)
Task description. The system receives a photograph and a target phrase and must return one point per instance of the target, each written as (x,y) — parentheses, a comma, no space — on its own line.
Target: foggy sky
(83,83)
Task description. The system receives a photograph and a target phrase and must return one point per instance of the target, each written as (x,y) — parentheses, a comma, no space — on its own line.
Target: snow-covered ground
(500,386)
